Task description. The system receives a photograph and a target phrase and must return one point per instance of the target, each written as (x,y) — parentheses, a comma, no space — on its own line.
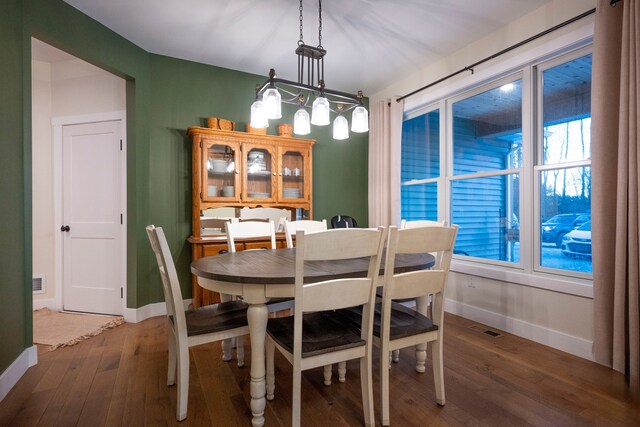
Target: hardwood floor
(119,378)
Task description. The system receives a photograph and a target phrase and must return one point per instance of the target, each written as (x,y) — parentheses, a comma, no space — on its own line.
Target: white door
(92,217)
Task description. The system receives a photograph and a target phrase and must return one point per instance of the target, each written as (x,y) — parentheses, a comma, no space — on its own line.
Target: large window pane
(421,147)
(487,130)
(567,112)
(565,193)
(487,212)
(420,201)
(565,210)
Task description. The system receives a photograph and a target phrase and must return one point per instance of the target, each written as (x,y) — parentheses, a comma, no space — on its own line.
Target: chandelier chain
(301,40)
(319,23)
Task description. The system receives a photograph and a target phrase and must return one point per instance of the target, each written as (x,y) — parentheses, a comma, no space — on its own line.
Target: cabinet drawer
(257,245)
(217,249)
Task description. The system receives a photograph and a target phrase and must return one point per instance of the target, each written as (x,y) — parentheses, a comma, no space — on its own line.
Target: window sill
(551,282)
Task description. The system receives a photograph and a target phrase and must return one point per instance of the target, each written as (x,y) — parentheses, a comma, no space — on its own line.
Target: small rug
(64,329)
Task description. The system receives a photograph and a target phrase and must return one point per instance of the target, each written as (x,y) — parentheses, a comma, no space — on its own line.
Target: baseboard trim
(135,315)
(16,370)
(558,340)
(49,303)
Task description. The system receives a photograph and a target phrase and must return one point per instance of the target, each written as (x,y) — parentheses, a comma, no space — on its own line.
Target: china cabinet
(233,170)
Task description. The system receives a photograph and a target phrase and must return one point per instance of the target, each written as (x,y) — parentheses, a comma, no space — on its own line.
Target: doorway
(79,181)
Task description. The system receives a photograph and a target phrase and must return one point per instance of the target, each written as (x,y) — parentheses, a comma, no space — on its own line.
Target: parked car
(577,243)
(555,228)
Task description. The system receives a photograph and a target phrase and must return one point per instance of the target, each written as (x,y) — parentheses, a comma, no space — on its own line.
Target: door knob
(65,228)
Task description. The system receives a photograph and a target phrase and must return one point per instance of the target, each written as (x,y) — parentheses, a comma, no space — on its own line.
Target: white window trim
(523,273)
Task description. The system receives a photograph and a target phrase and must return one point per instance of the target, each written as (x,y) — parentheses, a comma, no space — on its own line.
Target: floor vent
(38,284)
(485,330)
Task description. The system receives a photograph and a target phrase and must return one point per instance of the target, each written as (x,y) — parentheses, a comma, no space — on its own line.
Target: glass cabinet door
(220,171)
(293,170)
(260,173)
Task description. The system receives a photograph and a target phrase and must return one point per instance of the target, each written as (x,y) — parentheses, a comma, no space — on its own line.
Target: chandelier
(309,86)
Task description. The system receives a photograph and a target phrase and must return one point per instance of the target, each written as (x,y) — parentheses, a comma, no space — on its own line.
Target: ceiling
(369,43)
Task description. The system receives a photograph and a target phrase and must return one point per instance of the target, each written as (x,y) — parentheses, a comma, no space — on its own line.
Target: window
(563,169)
(420,167)
(516,171)
(487,156)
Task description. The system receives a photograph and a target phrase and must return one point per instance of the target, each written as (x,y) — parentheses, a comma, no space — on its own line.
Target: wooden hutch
(236,170)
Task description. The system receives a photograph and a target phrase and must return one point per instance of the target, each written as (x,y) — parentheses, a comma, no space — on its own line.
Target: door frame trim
(57,124)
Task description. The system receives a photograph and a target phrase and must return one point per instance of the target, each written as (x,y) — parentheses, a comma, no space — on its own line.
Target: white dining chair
(395,354)
(398,326)
(278,216)
(314,336)
(254,230)
(309,226)
(195,326)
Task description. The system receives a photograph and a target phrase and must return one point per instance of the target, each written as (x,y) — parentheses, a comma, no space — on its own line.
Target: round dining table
(261,275)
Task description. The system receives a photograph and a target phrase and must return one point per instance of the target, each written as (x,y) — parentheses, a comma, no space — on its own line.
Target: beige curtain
(384,163)
(615,186)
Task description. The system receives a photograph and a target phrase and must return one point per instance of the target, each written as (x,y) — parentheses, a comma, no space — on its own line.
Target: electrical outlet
(471,282)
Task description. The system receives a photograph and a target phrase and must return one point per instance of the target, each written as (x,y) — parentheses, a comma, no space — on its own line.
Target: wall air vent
(38,284)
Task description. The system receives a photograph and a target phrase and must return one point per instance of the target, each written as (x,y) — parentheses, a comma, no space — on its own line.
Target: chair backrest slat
(322,296)
(309,226)
(417,283)
(340,244)
(278,216)
(250,229)
(421,223)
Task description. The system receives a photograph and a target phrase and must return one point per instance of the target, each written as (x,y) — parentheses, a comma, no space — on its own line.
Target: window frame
(527,66)
(538,70)
(450,177)
(440,179)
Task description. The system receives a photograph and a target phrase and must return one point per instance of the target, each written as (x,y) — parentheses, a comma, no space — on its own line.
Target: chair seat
(321,333)
(217,317)
(405,322)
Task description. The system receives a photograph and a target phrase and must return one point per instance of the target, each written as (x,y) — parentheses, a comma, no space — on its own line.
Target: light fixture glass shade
(271,99)
(360,120)
(320,112)
(301,125)
(258,115)
(340,128)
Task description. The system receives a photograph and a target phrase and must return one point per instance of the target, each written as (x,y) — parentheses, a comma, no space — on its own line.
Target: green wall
(164,97)
(15,235)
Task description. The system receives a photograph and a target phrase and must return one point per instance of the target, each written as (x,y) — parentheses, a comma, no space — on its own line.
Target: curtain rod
(502,52)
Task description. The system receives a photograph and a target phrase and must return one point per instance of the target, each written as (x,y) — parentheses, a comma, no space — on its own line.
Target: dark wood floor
(119,378)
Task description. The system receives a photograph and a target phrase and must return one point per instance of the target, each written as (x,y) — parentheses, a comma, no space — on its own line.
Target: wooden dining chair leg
(240,351)
(384,384)
(421,357)
(366,385)
(227,353)
(438,370)
(342,371)
(173,358)
(270,374)
(183,382)
(296,400)
(327,375)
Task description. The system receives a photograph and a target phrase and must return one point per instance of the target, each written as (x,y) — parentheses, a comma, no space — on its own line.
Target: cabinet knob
(237,171)
(274,174)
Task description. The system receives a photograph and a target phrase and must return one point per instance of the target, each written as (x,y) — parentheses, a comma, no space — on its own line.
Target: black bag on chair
(343,221)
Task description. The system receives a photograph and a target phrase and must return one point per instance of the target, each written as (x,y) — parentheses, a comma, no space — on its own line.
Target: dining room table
(258,276)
